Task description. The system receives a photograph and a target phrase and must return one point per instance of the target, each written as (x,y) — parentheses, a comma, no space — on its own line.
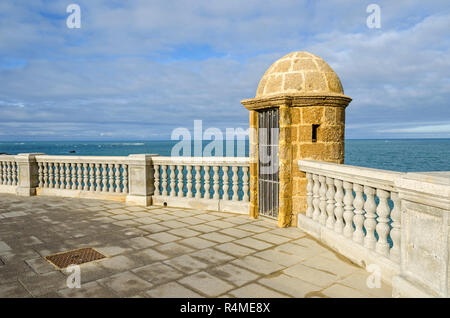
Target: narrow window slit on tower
(314,132)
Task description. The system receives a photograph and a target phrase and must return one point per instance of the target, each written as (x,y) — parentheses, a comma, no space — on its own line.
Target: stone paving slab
(165,252)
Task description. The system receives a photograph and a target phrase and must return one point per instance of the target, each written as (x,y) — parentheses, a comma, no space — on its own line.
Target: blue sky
(139,69)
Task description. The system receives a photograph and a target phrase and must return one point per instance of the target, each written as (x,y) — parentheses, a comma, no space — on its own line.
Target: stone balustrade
(9,174)
(367,215)
(210,183)
(99,175)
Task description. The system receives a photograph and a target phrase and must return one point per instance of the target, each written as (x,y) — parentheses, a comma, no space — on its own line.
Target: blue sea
(390,154)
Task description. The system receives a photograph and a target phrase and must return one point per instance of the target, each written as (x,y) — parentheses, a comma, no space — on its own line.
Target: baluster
(323,200)
(13,174)
(117,177)
(74,176)
(40,175)
(348,209)
(316,198)
(85,177)
(309,196)
(111,178)
(68,175)
(104,177)
(382,246)
(216,183)
(330,202)
(125,179)
(98,177)
(80,176)
(8,172)
(189,181)
(396,228)
(46,184)
(172,181)
(164,180)
(61,172)
(198,183)
(156,180)
(370,207)
(180,176)
(57,176)
(339,209)
(235,180)
(226,185)
(245,178)
(207,184)
(91,178)
(358,219)
(51,179)
(3,172)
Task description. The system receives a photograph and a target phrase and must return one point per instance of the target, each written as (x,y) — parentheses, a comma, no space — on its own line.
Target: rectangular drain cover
(75,257)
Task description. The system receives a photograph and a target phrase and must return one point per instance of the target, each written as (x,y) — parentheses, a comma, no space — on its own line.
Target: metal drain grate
(75,257)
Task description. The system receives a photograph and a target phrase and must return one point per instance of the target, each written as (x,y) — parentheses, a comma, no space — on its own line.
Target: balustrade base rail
(120,197)
(202,204)
(8,189)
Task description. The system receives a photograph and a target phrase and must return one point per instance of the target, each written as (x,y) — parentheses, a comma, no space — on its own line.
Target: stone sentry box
(311,108)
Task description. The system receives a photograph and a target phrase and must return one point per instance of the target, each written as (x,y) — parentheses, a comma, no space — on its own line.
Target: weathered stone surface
(311,275)
(172,290)
(40,265)
(258,265)
(211,256)
(196,242)
(252,243)
(88,290)
(341,291)
(158,273)
(233,274)
(234,249)
(145,261)
(125,284)
(289,285)
(299,73)
(173,249)
(206,284)
(118,263)
(279,257)
(257,291)
(187,264)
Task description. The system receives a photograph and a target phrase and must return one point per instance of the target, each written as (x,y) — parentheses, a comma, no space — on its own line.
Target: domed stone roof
(299,73)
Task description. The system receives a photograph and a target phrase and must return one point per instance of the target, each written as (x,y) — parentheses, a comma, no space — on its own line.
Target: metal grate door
(268,127)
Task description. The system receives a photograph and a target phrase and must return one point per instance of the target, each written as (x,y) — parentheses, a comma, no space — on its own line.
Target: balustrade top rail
(210,161)
(7,157)
(377,178)
(82,159)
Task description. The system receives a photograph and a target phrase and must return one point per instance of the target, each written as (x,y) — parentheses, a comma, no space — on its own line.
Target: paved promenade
(165,252)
